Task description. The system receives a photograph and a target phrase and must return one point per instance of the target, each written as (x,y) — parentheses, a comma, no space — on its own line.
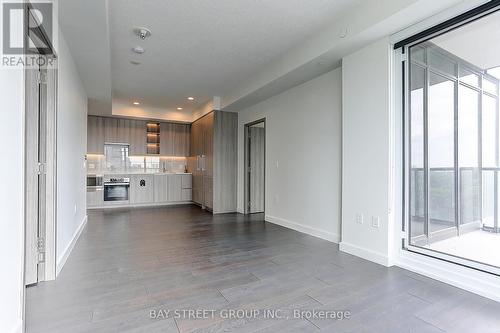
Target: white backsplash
(173,164)
(96,164)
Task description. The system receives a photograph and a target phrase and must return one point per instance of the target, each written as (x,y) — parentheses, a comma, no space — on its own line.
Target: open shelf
(153,138)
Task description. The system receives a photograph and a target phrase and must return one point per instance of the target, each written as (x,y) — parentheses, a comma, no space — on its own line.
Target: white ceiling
(197,48)
(477,42)
(243,51)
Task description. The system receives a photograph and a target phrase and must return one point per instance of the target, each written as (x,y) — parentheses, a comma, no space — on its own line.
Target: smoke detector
(143,33)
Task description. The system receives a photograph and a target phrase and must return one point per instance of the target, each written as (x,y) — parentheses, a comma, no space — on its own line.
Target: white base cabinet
(95,197)
(141,189)
(187,194)
(174,188)
(161,194)
(179,188)
(149,190)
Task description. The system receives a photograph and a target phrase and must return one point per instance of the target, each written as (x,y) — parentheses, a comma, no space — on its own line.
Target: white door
(256,137)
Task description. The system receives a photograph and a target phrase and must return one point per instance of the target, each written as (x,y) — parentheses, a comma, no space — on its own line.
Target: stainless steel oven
(116,189)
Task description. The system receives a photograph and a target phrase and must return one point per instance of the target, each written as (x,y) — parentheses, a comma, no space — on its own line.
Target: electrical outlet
(359,218)
(75,209)
(375,221)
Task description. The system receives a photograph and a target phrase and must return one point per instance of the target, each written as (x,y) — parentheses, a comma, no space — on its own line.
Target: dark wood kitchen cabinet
(174,139)
(95,135)
(137,138)
(213,161)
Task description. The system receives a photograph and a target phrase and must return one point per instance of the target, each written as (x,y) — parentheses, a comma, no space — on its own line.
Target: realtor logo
(27,24)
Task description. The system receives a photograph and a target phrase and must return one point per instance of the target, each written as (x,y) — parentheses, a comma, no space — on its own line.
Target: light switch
(375,221)
(359,218)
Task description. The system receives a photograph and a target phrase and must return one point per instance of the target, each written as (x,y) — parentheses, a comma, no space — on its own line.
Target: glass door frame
(407,147)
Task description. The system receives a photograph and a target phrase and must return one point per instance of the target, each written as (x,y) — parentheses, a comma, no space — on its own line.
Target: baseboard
(365,253)
(474,281)
(320,233)
(225,212)
(67,251)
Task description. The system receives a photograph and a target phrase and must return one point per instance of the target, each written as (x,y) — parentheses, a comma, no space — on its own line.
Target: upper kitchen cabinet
(116,130)
(95,135)
(166,139)
(123,131)
(181,139)
(174,139)
(143,137)
(110,130)
(137,137)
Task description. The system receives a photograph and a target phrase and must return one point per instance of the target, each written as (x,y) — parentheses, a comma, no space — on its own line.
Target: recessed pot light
(136,103)
(179,108)
(190,98)
(138,50)
(133,62)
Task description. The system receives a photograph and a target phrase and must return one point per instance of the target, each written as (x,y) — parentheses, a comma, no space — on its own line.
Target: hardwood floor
(131,261)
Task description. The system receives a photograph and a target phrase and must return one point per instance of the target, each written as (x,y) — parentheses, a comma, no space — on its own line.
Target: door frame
(50,168)
(51,174)
(402,70)
(246,174)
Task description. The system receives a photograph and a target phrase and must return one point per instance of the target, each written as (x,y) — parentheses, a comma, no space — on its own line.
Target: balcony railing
(442,215)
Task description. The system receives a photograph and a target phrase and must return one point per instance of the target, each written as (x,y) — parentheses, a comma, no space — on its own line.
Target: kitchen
(142,163)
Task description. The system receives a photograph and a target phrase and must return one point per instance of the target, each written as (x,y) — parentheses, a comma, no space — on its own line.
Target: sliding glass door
(453,148)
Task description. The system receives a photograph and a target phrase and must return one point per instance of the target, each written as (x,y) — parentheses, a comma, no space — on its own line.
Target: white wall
(71,150)
(303,136)
(366,96)
(11,199)
(71,127)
